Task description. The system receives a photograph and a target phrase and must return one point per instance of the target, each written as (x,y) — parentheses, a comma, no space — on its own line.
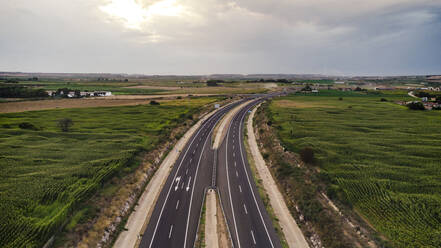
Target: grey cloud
(216,36)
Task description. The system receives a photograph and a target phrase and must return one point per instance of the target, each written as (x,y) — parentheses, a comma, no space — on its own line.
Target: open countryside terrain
(45,173)
(381,158)
(137,86)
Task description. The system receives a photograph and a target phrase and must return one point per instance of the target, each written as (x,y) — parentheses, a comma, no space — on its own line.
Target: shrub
(307,155)
(416,106)
(27,125)
(340,98)
(65,124)
(383,100)
(153,102)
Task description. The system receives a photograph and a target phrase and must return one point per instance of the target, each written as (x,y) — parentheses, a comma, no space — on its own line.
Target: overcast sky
(338,37)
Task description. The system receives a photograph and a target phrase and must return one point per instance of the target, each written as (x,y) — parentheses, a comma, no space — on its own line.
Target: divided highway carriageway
(175,218)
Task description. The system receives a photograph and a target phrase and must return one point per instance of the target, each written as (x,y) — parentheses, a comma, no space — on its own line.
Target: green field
(45,173)
(382,159)
(117,88)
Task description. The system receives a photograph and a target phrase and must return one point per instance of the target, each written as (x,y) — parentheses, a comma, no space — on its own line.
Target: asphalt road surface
(247,219)
(175,218)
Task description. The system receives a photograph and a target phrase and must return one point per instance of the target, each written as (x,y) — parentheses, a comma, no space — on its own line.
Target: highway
(247,219)
(175,218)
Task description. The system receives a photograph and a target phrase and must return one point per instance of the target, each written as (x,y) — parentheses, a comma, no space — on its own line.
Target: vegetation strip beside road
(64,169)
(301,187)
(292,234)
(375,156)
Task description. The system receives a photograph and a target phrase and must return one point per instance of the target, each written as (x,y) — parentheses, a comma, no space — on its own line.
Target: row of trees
(21,92)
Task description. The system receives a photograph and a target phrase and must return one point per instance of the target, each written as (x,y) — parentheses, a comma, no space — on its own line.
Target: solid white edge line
(174,178)
(194,183)
(228,183)
(249,183)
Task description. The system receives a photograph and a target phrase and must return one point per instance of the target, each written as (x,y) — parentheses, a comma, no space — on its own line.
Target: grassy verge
(200,241)
(376,157)
(47,174)
(263,195)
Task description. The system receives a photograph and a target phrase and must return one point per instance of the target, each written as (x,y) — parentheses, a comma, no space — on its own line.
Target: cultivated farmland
(45,173)
(381,158)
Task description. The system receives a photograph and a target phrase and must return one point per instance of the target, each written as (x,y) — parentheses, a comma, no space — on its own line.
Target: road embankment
(139,218)
(293,235)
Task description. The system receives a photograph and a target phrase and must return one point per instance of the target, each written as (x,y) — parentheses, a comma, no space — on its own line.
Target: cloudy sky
(338,37)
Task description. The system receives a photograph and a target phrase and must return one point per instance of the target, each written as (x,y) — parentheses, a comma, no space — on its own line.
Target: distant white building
(217,105)
(102,93)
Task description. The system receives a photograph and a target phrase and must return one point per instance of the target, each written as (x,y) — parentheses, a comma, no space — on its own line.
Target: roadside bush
(416,106)
(340,98)
(65,124)
(27,125)
(307,155)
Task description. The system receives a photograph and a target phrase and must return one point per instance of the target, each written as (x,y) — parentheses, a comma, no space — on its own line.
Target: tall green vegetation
(45,173)
(20,91)
(381,158)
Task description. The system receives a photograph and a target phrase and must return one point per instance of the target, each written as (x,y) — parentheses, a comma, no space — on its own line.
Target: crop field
(381,158)
(117,88)
(46,173)
(139,87)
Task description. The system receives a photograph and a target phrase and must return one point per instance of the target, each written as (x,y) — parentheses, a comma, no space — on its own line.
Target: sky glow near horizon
(344,37)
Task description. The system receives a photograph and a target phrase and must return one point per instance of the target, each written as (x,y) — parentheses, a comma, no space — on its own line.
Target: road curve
(248,221)
(175,218)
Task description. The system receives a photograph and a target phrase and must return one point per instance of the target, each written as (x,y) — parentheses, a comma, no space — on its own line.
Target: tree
(416,106)
(307,88)
(153,102)
(65,124)
(77,93)
(212,84)
(307,155)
